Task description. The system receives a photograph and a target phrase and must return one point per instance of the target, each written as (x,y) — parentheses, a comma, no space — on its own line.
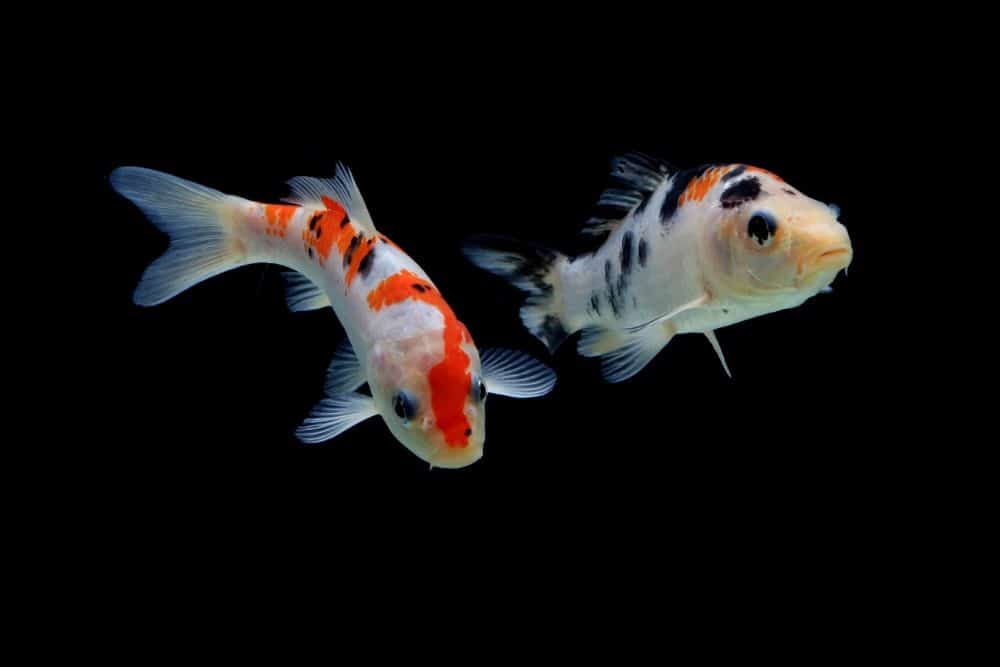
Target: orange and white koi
(427,379)
(686,252)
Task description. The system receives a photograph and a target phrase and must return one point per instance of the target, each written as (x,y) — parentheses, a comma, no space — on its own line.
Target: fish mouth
(832,259)
(835,253)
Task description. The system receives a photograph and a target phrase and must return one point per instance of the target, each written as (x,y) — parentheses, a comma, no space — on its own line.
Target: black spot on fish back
(611,290)
(734,173)
(677,187)
(366,262)
(740,192)
(420,288)
(314,220)
(343,223)
(355,240)
(626,253)
(642,252)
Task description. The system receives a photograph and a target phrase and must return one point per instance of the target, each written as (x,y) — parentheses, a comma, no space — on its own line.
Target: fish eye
(479,389)
(761,228)
(404,406)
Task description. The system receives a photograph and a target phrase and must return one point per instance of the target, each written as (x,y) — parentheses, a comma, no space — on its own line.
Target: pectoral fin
(332,416)
(710,335)
(512,373)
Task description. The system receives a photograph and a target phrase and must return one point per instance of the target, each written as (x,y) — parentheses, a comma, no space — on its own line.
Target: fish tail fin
(532,268)
(199,222)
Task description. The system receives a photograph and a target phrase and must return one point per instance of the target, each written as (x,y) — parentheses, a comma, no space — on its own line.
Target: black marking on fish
(310,252)
(314,220)
(626,254)
(319,230)
(420,288)
(789,192)
(367,261)
(642,252)
(622,285)
(677,187)
(468,432)
(734,173)
(595,303)
(552,331)
(612,297)
(355,240)
(740,192)
(343,223)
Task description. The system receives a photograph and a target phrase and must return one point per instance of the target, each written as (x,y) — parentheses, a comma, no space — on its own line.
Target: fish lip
(835,252)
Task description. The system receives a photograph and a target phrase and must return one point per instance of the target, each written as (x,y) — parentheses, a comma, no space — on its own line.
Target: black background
(195,402)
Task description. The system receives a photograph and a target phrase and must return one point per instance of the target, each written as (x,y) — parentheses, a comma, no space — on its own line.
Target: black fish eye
(761,228)
(479,388)
(403,406)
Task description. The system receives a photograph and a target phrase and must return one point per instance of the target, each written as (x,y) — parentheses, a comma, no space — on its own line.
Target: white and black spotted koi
(685,252)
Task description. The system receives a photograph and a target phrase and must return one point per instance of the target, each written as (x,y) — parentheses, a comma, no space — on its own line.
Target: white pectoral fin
(710,335)
(303,294)
(639,349)
(625,352)
(694,303)
(516,374)
(332,416)
(345,373)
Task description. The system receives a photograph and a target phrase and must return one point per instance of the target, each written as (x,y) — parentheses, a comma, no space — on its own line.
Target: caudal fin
(198,221)
(532,268)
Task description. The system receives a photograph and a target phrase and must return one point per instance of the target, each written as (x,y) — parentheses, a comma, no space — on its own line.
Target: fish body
(685,252)
(425,374)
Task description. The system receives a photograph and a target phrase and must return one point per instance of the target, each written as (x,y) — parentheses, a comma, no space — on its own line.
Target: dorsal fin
(634,177)
(309,191)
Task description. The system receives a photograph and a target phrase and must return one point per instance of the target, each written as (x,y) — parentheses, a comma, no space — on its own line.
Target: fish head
(776,241)
(428,388)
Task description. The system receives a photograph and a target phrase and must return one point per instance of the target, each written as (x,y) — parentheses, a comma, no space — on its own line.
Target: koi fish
(428,381)
(685,252)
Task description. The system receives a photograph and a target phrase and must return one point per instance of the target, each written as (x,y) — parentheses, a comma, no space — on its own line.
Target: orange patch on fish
(325,229)
(278,216)
(699,187)
(767,173)
(450,380)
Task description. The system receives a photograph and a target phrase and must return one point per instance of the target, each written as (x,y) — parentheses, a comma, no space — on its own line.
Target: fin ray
(344,374)
(195,217)
(634,176)
(342,188)
(301,293)
(334,415)
(718,350)
(516,374)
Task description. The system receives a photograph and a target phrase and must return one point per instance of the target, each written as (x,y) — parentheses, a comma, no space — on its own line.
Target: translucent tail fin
(532,268)
(198,221)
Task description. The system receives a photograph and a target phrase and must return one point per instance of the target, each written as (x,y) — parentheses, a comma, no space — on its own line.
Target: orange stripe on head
(449,379)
